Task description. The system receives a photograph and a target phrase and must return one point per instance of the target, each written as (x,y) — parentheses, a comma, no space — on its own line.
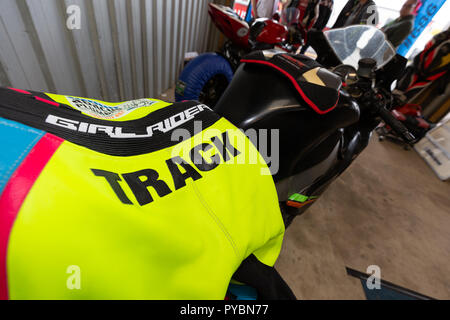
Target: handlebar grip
(396,125)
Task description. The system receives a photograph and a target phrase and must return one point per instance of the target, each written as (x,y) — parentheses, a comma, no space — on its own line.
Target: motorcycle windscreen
(354,43)
(318,87)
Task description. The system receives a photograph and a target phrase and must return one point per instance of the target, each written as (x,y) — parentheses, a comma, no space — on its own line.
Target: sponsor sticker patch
(102,111)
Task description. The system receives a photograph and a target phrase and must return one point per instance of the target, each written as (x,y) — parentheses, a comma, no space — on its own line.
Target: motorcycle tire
(204,79)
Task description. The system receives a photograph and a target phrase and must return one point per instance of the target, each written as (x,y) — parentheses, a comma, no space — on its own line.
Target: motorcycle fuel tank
(262,97)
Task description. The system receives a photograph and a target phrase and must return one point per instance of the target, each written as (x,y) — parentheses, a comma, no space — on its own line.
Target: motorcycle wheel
(204,79)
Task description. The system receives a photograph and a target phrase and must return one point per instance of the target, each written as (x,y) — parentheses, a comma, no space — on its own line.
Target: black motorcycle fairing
(315,163)
(260,99)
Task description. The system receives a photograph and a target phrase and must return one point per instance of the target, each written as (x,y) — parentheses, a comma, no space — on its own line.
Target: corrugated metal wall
(125,49)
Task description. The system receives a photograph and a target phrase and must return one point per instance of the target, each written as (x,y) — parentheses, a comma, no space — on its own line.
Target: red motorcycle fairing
(268,31)
(272,32)
(230,24)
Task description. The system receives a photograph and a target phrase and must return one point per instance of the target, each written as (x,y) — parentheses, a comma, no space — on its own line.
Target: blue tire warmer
(198,72)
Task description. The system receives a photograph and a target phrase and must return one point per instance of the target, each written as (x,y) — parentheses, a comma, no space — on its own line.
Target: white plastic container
(435,149)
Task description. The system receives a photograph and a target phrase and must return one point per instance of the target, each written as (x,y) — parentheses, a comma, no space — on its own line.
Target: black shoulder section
(119,138)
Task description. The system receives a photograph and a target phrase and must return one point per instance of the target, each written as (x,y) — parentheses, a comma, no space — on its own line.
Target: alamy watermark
(73,21)
(374,280)
(212,146)
(74,279)
(373,18)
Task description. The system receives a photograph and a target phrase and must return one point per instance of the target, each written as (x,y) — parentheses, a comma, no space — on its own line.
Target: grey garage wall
(125,49)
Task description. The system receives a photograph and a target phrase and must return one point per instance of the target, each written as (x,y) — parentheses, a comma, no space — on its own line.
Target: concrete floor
(388,209)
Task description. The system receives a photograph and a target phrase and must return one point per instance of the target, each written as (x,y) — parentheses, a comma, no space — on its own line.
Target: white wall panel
(125,49)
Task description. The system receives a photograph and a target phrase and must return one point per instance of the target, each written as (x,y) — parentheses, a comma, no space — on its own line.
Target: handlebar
(377,98)
(396,125)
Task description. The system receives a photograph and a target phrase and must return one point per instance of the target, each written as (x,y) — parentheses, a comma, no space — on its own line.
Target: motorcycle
(325,110)
(325,113)
(206,77)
